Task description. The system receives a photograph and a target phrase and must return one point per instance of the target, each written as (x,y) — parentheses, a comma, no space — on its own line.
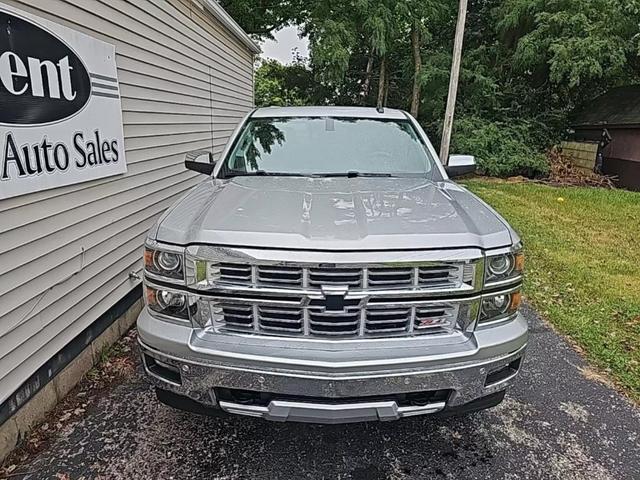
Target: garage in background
(609,127)
(71,246)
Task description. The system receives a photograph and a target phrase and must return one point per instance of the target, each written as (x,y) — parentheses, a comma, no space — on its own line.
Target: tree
(341,33)
(262,18)
(379,30)
(415,18)
(286,85)
(526,64)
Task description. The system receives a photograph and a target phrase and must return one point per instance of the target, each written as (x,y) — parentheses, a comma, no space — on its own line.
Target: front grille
(391,277)
(441,276)
(327,323)
(279,276)
(314,320)
(437,276)
(338,301)
(351,277)
(388,320)
(280,319)
(235,273)
(238,316)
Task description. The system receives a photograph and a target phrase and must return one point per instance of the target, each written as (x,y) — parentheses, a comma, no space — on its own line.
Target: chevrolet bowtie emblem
(335,297)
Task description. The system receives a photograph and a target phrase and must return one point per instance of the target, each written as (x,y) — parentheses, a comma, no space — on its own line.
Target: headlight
(168,262)
(169,303)
(164,262)
(504,267)
(500,265)
(500,307)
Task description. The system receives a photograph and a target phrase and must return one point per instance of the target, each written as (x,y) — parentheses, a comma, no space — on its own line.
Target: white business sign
(60,113)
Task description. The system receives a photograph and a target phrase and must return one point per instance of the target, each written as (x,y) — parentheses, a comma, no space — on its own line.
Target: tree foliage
(570,42)
(262,18)
(501,149)
(285,85)
(526,64)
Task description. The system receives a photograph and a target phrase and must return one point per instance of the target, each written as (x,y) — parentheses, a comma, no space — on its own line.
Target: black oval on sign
(42,80)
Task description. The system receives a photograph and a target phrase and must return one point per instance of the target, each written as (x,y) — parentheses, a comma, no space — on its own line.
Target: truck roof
(344,112)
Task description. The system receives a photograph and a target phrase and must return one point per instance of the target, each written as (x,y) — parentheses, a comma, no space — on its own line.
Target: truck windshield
(328,147)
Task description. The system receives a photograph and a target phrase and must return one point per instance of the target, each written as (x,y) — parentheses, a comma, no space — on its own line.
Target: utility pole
(453,85)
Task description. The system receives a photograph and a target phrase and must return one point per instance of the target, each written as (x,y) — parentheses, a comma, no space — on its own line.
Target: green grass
(583,266)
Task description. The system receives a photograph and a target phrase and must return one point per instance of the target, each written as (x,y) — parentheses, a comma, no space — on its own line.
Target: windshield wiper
(349,174)
(353,174)
(262,173)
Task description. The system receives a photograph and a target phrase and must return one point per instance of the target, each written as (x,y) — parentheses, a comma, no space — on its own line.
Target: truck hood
(337,214)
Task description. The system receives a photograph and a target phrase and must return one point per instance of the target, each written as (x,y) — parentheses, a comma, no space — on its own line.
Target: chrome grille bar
(310,321)
(375,278)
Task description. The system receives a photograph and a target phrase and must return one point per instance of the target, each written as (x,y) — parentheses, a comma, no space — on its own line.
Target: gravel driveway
(557,423)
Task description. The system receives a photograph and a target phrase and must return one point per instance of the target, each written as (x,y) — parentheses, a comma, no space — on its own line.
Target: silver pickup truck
(328,271)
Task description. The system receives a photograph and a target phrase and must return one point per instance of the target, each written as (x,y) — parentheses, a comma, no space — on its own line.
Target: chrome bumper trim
(281,411)
(467,380)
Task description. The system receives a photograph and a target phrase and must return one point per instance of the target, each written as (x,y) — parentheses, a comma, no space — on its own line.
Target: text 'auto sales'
(47,157)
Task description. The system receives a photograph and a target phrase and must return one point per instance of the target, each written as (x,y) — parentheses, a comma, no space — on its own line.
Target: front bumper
(304,384)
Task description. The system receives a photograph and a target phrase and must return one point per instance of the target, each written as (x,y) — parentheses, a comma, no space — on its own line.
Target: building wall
(66,254)
(627,172)
(625,144)
(621,156)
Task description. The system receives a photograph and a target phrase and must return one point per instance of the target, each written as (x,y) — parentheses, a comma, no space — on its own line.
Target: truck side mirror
(460,165)
(200,161)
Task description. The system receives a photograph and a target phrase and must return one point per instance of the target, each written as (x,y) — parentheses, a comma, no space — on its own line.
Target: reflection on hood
(334,214)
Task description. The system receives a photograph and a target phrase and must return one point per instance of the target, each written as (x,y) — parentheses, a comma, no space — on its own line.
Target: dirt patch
(590,373)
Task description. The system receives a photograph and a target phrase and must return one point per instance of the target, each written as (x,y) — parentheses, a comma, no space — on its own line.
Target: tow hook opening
(163,371)
(503,374)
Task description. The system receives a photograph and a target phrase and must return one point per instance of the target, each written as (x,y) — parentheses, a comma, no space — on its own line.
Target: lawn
(583,266)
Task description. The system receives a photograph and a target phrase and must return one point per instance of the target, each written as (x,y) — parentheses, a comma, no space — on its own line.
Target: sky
(285,41)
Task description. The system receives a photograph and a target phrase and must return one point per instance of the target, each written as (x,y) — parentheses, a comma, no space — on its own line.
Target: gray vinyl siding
(66,254)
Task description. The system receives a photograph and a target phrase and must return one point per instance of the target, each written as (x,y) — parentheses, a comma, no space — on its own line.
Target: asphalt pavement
(559,422)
